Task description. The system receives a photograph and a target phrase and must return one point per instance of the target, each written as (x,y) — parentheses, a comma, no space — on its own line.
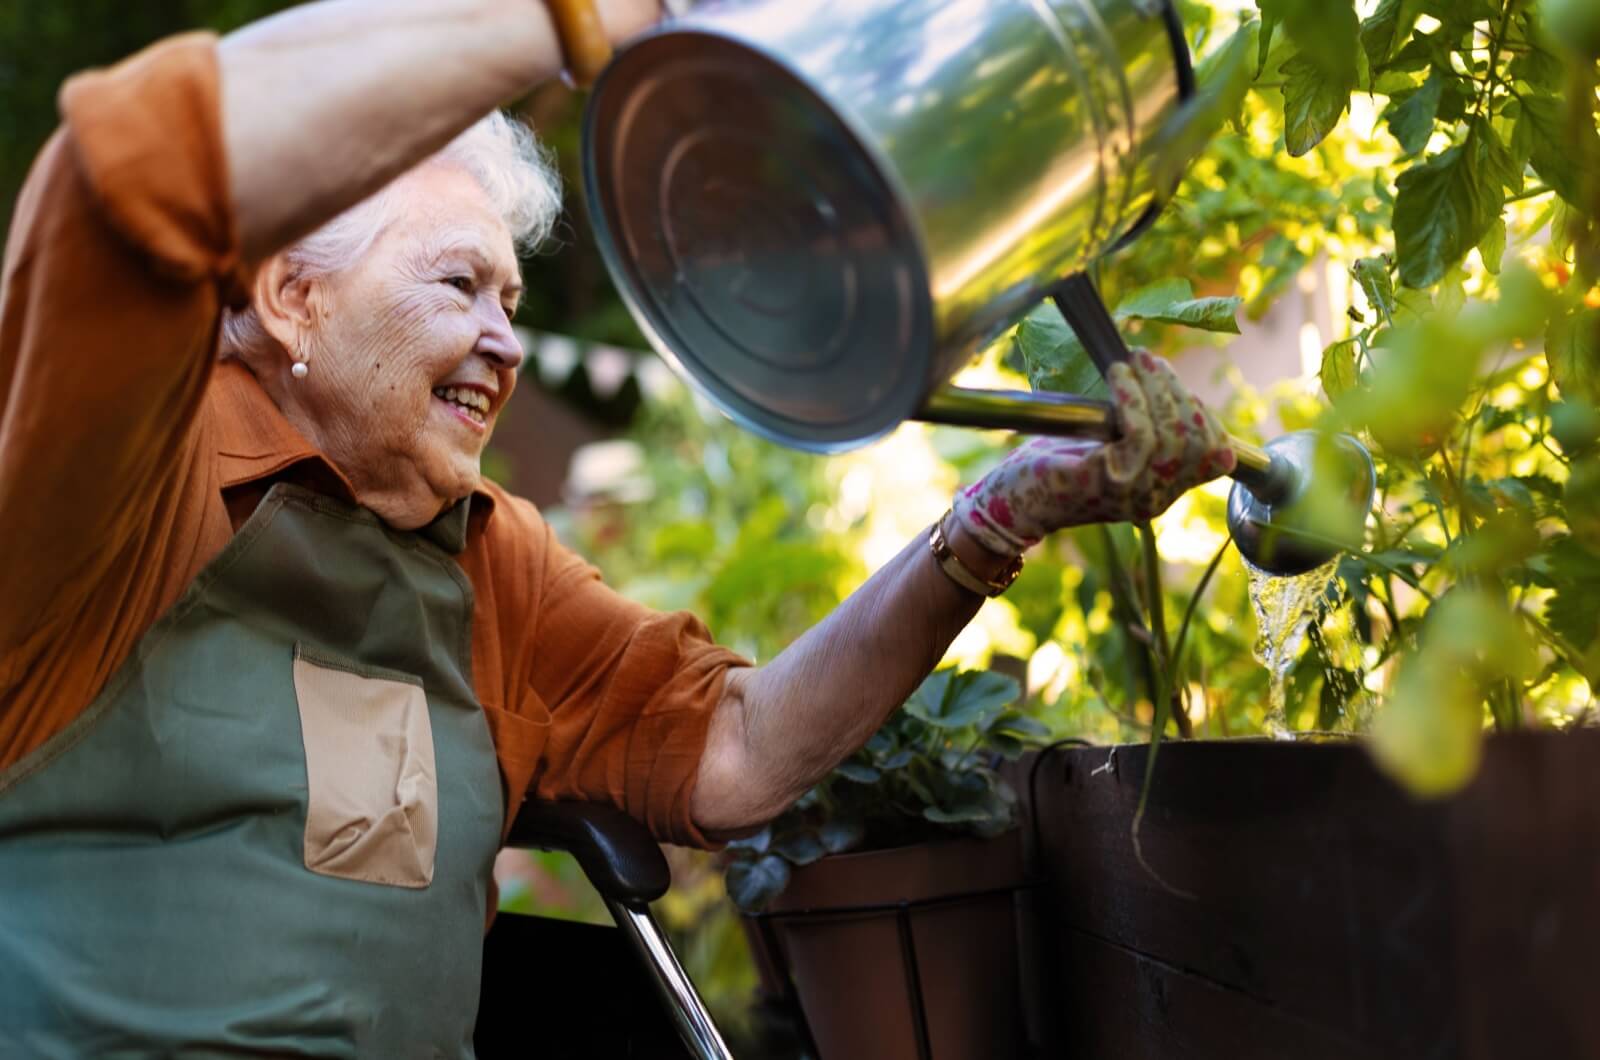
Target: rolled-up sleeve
(122,254)
(630,692)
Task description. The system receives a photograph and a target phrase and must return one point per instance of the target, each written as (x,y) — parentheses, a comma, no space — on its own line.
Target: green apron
(155,897)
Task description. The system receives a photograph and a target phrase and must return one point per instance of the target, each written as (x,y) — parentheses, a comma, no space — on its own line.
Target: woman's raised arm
(325,103)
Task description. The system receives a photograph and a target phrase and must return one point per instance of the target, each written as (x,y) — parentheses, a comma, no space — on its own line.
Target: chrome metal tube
(688,1012)
(1071,416)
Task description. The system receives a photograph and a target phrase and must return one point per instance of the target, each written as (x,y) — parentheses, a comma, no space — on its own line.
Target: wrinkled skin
(428,306)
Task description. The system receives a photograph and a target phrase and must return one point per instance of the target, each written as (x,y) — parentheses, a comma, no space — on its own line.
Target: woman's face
(410,352)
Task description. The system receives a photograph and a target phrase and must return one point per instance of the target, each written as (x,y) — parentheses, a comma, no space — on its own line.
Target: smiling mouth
(470,403)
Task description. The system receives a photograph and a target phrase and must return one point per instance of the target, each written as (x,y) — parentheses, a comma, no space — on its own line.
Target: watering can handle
(1071,415)
(1086,312)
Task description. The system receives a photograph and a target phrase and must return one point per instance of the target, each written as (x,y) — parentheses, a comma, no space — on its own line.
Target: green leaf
(977,694)
(1440,213)
(1571,612)
(1338,372)
(1411,120)
(899,760)
(1153,298)
(1021,725)
(1580,497)
(841,834)
(1575,425)
(1054,357)
(1387,27)
(1540,69)
(1269,26)
(1204,314)
(1493,245)
(1172,302)
(755,844)
(1313,103)
(1500,169)
(861,774)
(1429,736)
(1559,153)
(1326,32)
(1572,348)
(1373,276)
(801,848)
(752,884)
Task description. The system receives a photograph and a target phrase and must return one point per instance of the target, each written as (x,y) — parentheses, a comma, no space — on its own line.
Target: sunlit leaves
(1574,570)
(1572,346)
(1318,79)
(1173,302)
(1492,247)
(951,699)
(1411,120)
(1429,734)
(1443,207)
(1338,372)
(1313,103)
(1057,361)
(1386,27)
(1326,32)
(1561,152)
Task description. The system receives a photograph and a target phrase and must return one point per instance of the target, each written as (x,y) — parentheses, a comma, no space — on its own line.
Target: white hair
(499,152)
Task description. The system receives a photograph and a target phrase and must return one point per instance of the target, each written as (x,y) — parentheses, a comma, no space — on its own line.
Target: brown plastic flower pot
(906,954)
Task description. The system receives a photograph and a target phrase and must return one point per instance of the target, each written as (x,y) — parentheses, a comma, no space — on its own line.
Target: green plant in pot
(885,895)
(929,773)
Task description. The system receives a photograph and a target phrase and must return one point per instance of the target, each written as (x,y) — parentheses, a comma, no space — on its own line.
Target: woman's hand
(1169,444)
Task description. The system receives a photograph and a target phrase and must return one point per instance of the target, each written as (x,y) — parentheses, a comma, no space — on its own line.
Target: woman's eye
(460,283)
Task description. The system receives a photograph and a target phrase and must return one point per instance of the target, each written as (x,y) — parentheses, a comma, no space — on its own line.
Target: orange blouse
(128,456)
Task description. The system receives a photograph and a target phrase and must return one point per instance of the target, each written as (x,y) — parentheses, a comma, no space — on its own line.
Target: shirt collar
(255,441)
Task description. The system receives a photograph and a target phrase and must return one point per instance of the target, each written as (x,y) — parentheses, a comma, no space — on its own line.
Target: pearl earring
(299,370)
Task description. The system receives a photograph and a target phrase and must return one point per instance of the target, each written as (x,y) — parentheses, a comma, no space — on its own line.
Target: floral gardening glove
(1169,444)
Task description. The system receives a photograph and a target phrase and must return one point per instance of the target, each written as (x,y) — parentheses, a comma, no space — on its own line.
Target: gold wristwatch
(963,575)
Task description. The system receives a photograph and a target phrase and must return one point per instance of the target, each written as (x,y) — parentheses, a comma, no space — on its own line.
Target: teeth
(475,404)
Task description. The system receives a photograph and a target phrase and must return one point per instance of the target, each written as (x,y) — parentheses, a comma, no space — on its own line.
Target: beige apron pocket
(372,809)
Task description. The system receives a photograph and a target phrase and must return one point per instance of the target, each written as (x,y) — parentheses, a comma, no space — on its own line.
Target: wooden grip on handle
(583,39)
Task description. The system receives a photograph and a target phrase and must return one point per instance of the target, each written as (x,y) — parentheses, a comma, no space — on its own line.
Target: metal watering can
(819,211)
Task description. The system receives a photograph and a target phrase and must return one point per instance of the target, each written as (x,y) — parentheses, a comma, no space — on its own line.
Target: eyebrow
(469,247)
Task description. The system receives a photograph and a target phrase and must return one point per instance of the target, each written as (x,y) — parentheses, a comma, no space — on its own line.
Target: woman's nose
(497,341)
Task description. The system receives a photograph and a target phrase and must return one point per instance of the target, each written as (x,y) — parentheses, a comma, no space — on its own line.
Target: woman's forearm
(783,726)
(325,103)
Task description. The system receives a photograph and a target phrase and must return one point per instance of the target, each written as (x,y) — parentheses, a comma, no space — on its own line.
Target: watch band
(963,575)
(583,39)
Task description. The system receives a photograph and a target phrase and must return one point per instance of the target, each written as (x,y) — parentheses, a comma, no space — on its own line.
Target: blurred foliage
(1446,152)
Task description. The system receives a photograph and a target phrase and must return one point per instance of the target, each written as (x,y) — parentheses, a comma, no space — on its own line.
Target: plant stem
(1175,672)
(1529,193)
(1160,647)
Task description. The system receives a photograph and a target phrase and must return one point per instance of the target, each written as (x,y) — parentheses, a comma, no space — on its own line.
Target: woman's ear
(286,301)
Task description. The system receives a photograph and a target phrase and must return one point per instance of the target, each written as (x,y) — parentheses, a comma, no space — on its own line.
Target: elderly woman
(276,664)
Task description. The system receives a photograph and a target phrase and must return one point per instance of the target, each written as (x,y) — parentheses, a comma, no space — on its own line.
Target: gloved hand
(1169,444)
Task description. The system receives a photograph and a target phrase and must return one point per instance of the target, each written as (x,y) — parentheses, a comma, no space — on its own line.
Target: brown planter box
(1328,914)
(905,953)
